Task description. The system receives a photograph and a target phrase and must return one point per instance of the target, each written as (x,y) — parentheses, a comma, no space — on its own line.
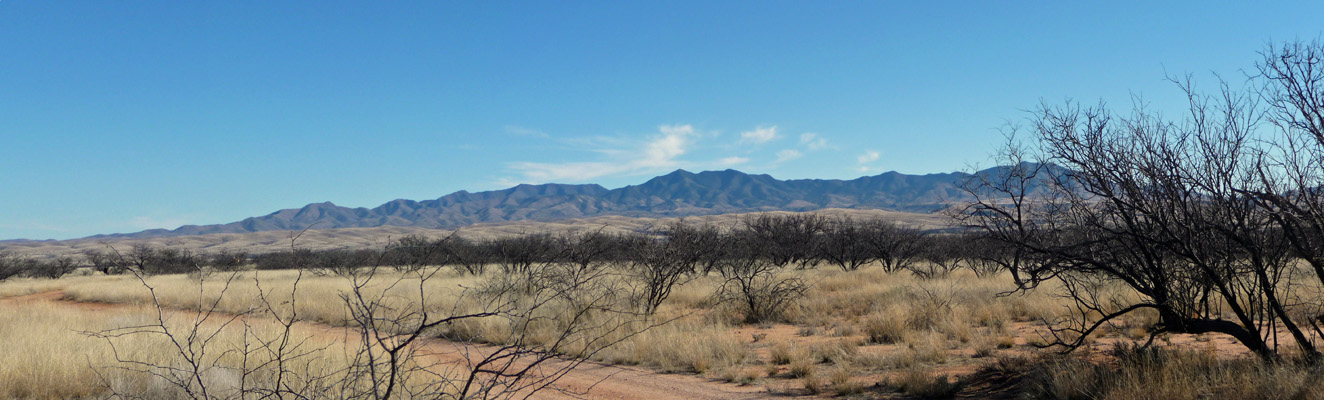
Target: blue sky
(123,116)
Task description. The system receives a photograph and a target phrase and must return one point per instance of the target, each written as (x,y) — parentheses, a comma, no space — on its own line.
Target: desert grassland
(21,287)
(48,351)
(852,330)
(850,326)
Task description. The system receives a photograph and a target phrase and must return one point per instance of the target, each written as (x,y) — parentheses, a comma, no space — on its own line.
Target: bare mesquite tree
(698,246)
(555,316)
(18,265)
(896,247)
(941,254)
(560,310)
(1204,217)
(787,239)
(982,256)
(754,283)
(10,265)
(103,261)
(664,258)
(519,253)
(843,244)
(468,256)
(589,250)
(1290,182)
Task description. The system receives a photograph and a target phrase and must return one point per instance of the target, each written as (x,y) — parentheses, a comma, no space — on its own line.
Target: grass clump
(922,383)
(843,382)
(886,327)
(1160,374)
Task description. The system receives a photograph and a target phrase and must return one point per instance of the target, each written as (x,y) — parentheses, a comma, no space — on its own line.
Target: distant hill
(377,237)
(680,193)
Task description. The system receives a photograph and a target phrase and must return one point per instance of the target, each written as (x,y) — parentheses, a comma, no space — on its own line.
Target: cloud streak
(863,160)
(661,151)
(668,148)
(732,161)
(812,141)
(759,135)
(788,155)
(522,131)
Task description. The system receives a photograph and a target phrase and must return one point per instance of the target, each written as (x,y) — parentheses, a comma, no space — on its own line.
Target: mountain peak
(678,193)
(727,171)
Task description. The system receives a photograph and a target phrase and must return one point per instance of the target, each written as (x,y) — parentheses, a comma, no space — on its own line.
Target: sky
(125,116)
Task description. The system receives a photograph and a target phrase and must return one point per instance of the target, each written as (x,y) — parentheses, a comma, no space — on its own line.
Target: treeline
(142,258)
(798,241)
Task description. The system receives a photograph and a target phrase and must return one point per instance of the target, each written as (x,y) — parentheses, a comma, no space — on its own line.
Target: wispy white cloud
(732,161)
(668,148)
(813,141)
(869,155)
(863,160)
(659,152)
(759,135)
(787,155)
(522,131)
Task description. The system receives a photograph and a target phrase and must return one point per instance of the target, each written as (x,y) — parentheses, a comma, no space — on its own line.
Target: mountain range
(680,193)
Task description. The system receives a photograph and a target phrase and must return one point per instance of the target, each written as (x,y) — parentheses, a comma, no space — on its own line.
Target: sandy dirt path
(590,380)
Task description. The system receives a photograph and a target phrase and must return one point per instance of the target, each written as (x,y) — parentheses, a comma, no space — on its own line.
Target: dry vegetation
(866,332)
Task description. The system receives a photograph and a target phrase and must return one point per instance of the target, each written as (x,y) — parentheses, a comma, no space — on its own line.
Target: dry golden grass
(852,329)
(928,319)
(26,286)
(923,383)
(685,345)
(42,355)
(1162,374)
(688,343)
(316,298)
(46,352)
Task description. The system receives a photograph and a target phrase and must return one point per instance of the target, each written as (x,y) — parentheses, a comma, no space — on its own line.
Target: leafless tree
(104,262)
(896,247)
(519,253)
(54,268)
(788,239)
(984,257)
(753,282)
(1173,210)
(1289,183)
(417,251)
(658,265)
(698,246)
(844,244)
(941,254)
(226,260)
(588,250)
(557,320)
(10,265)
(469,257)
